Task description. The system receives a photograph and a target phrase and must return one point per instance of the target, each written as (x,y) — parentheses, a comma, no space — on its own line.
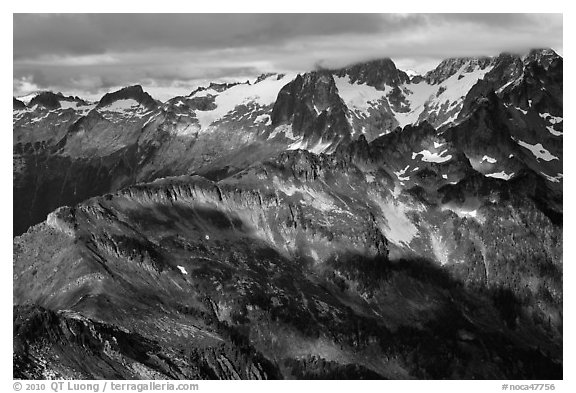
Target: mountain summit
(375,73)
(135,93)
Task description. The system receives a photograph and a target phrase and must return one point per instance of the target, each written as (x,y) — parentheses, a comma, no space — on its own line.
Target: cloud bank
(88,54)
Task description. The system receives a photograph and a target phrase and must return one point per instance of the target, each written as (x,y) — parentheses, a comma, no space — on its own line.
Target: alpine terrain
(354,223)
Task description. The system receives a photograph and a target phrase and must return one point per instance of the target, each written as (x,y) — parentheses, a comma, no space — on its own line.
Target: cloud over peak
(91,52)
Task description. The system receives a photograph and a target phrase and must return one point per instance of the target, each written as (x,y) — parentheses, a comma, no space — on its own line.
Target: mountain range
(357,223)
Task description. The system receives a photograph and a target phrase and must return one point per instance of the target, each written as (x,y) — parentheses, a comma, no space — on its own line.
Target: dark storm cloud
(37,35)
(80,34)
(94,52)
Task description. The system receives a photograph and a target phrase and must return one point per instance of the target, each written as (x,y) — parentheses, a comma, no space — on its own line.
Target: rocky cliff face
(377,73)
(450,67)
(135,93)
(18,105)
(301,247)
(314,109)
(49,345)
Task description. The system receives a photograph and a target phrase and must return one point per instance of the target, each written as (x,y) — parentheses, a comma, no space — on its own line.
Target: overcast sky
(170,54)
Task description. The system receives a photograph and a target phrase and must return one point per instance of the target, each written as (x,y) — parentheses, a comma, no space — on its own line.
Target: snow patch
(358,96)
(37,119)
(552,131)
(553,179)
(262,119)
(500,175)
(122,105)
(551,119)
(468,209)
(28,97)
(537,150)
(400,174)
(428,156)
(500,90)
(490,160)
(152,118)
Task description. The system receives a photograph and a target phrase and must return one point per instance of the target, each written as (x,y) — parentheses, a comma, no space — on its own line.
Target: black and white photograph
(280,196)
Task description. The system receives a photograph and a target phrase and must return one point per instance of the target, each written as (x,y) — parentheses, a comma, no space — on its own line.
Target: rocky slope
(304,258)
(67,150)
(290,228)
